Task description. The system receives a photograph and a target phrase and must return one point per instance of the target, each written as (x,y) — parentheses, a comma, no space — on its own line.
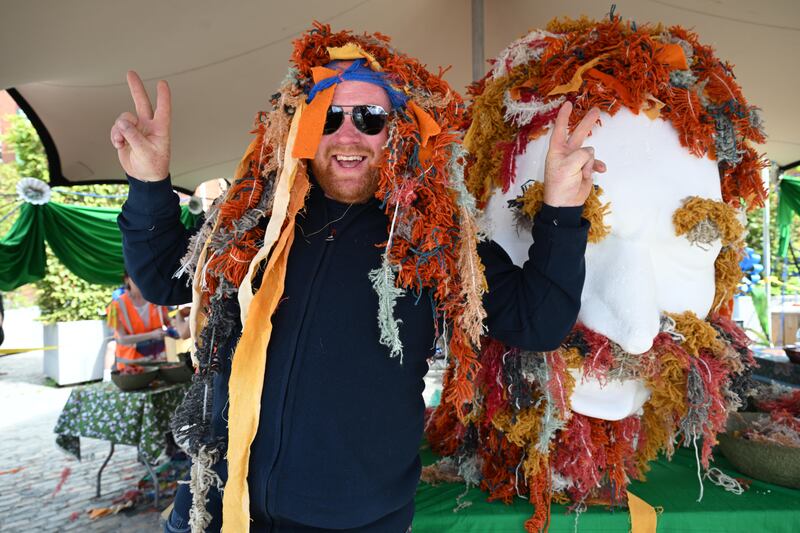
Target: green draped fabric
(187,218)
(86,239)
(671,486)
(788,205)
(22,250)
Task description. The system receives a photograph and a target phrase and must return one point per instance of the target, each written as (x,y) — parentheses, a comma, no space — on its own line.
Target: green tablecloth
(102,411)
(671,485)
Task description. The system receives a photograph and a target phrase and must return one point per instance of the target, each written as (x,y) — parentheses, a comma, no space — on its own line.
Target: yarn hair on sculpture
(660,71)
(430,248)
(521,437)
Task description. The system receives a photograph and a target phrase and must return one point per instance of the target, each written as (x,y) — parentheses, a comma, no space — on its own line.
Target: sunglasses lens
(369,119)
(333,120)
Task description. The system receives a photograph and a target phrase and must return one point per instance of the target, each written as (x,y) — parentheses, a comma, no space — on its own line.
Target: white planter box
(22,328)
(79,354)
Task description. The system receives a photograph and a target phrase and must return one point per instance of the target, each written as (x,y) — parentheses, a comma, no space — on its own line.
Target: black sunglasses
(368,119)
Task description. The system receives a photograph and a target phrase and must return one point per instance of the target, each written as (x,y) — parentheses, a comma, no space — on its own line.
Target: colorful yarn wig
(662,72)
(521,438)
(431,242)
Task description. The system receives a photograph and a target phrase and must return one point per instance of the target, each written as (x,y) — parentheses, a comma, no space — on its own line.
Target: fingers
(599,166)
(583,161)
(591,166)
(586,169)
(583,128)
(163,113)
(584,191)
(574,162)
(139,95)
(559,137)
(132,135)
(117,138)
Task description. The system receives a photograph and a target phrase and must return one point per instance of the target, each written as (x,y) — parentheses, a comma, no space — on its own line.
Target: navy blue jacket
(341,421)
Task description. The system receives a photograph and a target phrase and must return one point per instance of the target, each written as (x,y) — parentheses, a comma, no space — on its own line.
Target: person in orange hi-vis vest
(138,326)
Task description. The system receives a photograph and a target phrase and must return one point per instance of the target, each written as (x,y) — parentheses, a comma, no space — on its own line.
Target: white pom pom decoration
(33,190)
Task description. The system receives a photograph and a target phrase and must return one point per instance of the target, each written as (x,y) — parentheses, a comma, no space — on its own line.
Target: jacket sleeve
(534,307)
(154,241)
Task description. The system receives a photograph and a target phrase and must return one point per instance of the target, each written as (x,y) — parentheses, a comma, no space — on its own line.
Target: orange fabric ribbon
(644,518)
(426,123)
(352,51)
(672,55)
(309,131)
(247,373)
(249,365)
(576,81)
(614,84)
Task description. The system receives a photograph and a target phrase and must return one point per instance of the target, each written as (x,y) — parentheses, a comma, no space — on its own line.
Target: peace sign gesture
(142,140)
(569,166)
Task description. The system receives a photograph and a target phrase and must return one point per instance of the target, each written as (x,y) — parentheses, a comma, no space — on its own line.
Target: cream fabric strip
(279,208)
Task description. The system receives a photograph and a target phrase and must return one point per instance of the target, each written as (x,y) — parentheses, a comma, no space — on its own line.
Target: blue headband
(358,71)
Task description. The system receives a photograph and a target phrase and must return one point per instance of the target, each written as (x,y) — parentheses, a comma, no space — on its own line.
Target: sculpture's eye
(704,221)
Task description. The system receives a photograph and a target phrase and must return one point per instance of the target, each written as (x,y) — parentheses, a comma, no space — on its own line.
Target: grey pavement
(29,501)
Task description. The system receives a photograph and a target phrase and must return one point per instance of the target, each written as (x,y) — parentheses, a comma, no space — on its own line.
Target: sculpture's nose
(619,296)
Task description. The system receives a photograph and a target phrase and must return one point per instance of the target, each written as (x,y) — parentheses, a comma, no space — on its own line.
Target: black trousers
(397,522)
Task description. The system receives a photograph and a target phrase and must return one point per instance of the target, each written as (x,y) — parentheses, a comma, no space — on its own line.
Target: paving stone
(27,499)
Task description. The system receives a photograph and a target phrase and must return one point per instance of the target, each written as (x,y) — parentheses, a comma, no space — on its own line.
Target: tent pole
(477,40)
(784,276)
(766,175)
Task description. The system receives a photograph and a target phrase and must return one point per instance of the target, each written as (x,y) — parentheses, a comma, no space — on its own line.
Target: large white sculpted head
(682,138)
(653,361)
(641,269)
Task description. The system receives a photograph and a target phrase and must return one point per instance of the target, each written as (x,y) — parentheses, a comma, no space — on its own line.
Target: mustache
(361,150)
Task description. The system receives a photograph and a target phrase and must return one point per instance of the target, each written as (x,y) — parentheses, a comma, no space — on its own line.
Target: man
(332,442)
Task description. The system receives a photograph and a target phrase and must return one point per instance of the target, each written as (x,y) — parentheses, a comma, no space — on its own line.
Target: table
(136,418)
(671,485)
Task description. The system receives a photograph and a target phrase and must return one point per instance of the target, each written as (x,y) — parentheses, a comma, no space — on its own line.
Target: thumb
(133,136)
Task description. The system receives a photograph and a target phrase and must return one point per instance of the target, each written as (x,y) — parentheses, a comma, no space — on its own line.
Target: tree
(61,295)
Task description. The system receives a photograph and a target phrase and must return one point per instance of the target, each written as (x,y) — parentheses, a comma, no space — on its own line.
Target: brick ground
(28,412)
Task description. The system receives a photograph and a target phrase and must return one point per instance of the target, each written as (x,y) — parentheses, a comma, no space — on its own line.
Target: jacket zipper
(330,238)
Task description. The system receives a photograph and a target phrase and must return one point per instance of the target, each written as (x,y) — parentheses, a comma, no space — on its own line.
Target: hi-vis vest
(122,315)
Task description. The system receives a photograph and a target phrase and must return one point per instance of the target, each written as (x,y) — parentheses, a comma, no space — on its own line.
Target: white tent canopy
(66,62)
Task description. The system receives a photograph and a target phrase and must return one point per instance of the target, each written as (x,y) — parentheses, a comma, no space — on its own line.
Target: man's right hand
(142,140)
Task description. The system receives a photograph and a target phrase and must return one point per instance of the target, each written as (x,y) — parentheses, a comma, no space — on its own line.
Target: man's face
(342,177)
